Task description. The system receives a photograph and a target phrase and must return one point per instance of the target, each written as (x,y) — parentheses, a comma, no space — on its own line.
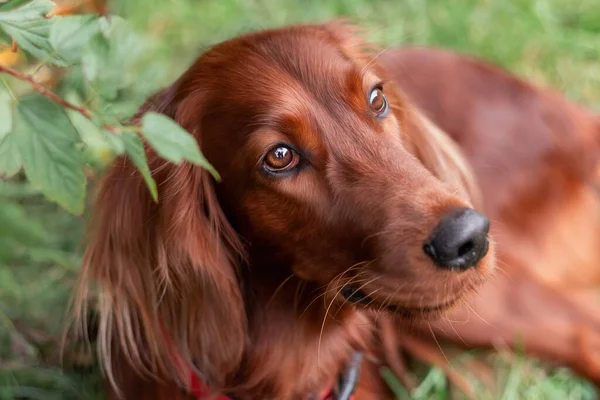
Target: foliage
(104,68)
(117,79)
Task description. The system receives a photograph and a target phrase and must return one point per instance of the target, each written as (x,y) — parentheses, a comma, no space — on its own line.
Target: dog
(339,203)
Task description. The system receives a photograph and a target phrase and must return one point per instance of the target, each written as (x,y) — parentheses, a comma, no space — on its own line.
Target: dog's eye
(281,158)
(378,102)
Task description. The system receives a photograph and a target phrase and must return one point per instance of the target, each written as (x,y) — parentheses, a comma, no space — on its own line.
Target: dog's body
(245,282)
(535,156)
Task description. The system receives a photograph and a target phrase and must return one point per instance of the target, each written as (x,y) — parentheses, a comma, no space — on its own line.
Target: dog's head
(327,173)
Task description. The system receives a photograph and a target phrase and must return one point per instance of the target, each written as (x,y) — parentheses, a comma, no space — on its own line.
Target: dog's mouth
(359,297)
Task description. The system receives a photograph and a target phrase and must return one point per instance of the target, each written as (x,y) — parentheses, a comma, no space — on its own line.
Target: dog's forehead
(317,62)
(288,81)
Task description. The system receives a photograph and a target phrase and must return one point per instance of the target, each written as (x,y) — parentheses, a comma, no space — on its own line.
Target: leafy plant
(54,139)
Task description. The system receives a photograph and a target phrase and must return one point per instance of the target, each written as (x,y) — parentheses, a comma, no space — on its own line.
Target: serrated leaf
(135,150)
(29,26)
(47,140)
(6,112)
(172,142)
(123,107)
(126,43)
(10,4)
(91,135)
(98,69)
(32,36)
(10,158)
(118,63)
(94,52)
(69,35)
(115,142)
(33,10)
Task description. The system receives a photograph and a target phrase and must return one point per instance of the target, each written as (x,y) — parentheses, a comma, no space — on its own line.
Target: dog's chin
(361,300)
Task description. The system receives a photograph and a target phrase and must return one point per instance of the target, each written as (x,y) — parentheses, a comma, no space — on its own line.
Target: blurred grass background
(549,42)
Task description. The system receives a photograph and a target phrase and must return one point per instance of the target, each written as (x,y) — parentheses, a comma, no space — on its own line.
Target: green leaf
(69,35)
(97,68)
(32,37)
(10,4)
(92,136)
(119,65)
(94,53)
(115,142)
(135,150)
(172,142)
(6,111)
(127,45)
(10,158)
(47,142)
(29,26)
(33,10)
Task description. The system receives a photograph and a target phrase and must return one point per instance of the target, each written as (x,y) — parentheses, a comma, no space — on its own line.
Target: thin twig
(52,96)
(44,91)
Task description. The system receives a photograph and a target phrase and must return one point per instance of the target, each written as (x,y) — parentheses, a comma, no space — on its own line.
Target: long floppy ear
(430,144)
(166,271)
(440,154)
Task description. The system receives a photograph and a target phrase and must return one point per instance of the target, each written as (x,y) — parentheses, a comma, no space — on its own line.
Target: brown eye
(281,158)
(378,102)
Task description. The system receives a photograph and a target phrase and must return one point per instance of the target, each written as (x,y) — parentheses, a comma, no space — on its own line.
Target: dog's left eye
(378,102)
(281,158)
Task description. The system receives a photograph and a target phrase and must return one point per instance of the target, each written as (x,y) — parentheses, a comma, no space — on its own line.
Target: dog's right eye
(281,158)
(378,102)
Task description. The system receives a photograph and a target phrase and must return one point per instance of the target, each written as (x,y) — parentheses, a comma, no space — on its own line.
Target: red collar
(344,391)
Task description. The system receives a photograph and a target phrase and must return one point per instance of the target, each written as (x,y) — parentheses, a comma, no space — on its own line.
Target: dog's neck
(317,335)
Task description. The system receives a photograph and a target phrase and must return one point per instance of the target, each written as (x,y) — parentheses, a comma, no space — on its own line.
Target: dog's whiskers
(276,291)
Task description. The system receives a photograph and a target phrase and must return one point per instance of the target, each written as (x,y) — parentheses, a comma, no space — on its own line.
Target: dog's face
(321,174)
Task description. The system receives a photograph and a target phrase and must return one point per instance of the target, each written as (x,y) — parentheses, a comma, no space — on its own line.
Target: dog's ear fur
(440,154)
(166,271)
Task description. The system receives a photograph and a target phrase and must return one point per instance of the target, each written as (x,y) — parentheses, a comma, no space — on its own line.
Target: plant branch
(45,91)
(41,89)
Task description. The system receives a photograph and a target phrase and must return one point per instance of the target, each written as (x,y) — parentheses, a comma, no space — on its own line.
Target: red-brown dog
(338,199)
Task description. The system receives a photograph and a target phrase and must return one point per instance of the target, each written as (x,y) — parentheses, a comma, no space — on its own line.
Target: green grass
(550,42)
(554,42)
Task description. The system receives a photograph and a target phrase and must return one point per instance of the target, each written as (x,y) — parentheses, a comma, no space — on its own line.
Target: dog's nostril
(460,239)
(465,248)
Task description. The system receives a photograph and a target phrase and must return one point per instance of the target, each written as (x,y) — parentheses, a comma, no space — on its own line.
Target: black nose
(460,239)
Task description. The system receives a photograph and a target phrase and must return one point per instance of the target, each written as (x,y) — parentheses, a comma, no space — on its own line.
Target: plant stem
(44,91)
(116,130)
